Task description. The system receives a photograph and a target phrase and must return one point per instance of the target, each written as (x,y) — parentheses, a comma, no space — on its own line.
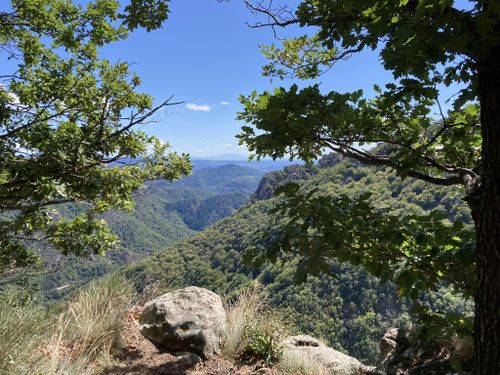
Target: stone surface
(333,361)
(188,320)
(188,359)
(387,346)
(404,354)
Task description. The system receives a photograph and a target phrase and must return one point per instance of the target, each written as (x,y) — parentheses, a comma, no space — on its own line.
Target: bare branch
(136,119)
(276,16)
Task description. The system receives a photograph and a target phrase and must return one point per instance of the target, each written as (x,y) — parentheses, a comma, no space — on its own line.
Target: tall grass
(24,328)
(79,339)
(240,315)
(91,323)
(254,331)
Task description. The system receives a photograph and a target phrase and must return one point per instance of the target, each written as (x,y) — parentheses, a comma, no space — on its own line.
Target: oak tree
(70,124)
(427,45)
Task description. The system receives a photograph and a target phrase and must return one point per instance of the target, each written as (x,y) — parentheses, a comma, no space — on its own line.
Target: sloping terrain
(162,216)
(349,309)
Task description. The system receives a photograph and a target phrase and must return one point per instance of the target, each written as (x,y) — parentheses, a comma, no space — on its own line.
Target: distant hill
(265,165)
(201,213)
(229,177)
(261,165)
(165,213)
(224,157)
(292,173)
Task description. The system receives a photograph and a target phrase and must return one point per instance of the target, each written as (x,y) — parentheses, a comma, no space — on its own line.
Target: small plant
(253,331)
(262,339)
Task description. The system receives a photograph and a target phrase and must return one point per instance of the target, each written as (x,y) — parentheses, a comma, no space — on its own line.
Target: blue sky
(207,56)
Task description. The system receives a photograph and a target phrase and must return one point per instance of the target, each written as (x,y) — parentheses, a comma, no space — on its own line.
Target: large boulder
(188,320)
(330,360)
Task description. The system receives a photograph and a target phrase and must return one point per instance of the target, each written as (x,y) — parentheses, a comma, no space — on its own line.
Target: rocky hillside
(190,331)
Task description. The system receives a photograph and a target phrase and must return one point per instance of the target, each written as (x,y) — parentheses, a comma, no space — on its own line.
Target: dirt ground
(140,357)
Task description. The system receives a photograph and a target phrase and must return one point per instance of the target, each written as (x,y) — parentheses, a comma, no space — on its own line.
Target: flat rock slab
(332,361)
(188,320)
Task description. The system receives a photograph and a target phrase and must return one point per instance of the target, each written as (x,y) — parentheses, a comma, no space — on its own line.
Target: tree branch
(381,160)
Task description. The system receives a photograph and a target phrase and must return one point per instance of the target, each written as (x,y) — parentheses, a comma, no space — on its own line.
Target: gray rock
(387,347)
(188,359)
(333,361)
(404,354)
(188,320)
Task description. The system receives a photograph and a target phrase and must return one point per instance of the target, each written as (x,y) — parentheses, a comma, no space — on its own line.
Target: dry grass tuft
(92,321)
(254,331)
(23,329)
(293,364)
(242,314)
(80,340)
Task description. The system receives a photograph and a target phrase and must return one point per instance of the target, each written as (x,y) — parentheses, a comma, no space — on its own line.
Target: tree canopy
(69,124)
(443,150)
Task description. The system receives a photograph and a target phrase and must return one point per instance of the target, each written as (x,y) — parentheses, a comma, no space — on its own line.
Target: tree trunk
(485,204)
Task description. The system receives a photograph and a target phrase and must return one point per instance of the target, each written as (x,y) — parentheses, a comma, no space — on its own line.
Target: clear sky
(207,56)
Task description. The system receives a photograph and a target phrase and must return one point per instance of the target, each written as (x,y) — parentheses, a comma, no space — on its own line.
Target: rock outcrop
(188,320)
(332,361)
(403,355)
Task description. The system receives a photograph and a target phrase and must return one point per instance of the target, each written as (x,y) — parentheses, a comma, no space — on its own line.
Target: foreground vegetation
(78,336)
(83,335)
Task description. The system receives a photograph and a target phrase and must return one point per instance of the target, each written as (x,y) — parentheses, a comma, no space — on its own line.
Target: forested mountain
(164,213)
(264,165)
(229,177)
(270,181)
(200,213)
(348,308)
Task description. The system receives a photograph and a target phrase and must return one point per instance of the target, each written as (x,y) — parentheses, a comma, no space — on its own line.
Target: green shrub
(262,339)
(253,331)
(242,314)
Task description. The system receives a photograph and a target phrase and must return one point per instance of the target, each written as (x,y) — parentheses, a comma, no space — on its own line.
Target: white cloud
(14,102)
(227,145)
(199,107)
(225,103)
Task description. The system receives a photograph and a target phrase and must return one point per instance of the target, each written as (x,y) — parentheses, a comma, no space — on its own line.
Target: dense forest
(348,308)
(164,213)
